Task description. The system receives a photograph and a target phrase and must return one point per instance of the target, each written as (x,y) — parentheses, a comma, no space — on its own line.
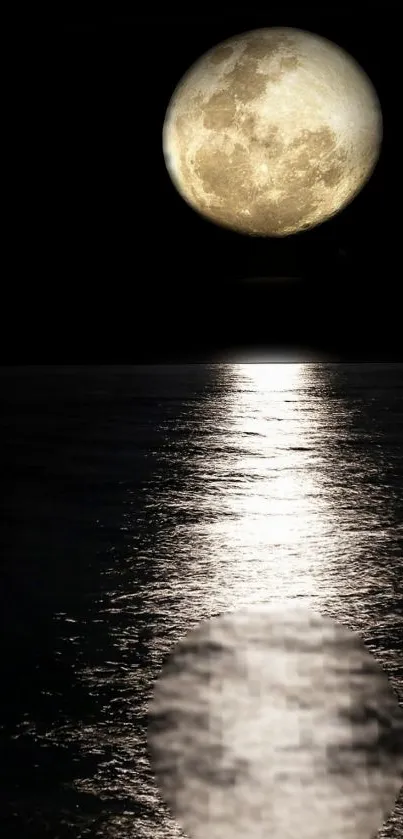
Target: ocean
(140,501)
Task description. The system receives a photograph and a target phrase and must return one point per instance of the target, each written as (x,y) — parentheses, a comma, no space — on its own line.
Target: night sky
(113,266)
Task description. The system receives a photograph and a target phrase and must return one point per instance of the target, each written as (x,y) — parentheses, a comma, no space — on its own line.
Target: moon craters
(272,132)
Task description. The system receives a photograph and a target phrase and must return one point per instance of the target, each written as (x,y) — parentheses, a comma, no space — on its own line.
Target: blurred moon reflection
(276,723)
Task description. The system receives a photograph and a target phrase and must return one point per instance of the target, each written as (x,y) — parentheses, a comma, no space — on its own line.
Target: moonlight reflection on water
(173,494)
(264,511)
(276,723)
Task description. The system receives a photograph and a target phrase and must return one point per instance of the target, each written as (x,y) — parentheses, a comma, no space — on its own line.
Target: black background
(113,266)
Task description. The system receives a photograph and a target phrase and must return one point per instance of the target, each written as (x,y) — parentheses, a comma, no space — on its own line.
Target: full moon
(272,132)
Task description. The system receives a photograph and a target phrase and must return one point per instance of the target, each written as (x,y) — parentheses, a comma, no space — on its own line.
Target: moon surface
(272,132)
(275,723)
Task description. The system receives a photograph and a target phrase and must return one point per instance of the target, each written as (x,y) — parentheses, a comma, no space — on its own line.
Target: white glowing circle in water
(276,723)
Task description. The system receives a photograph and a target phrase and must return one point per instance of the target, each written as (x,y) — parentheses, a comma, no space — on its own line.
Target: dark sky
(113,266)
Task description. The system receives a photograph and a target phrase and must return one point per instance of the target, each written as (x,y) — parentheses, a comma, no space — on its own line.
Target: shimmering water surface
(139,501)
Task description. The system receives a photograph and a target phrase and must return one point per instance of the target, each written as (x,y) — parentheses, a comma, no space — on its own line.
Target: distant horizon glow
(277,356)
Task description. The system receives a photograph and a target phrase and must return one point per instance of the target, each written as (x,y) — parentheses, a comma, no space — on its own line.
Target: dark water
(139,501)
